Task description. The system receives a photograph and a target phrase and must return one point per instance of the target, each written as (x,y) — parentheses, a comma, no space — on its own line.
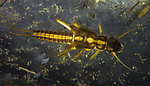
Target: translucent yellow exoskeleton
(79,38)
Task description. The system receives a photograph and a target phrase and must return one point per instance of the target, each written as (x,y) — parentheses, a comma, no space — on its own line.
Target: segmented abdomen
(51,36)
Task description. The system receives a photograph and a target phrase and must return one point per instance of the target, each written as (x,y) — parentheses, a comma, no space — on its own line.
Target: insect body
(79,38)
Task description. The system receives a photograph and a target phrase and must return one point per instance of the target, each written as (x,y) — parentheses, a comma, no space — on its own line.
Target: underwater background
(28,61)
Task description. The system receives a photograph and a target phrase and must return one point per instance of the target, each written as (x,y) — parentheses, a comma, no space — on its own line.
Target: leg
(77,25)
(81,51)
(72,46)
(95,54)
(100,29)
(65,51)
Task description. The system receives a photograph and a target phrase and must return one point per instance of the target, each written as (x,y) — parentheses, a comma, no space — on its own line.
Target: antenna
(114,54)
(126,32)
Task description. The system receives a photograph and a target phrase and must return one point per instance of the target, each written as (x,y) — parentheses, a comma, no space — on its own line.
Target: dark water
(28,61)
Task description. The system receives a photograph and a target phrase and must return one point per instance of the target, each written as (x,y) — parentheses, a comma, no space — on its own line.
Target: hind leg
(80,53)
(72,46)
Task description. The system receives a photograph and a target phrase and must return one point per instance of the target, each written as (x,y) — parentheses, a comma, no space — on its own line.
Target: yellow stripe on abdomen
(53,36)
